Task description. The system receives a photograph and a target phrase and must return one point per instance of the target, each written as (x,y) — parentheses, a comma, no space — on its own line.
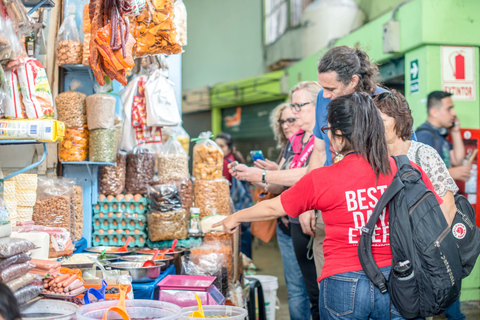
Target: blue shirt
(321,120)
(437,139)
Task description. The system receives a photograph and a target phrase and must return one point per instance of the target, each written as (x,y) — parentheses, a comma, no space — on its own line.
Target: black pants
(309,272)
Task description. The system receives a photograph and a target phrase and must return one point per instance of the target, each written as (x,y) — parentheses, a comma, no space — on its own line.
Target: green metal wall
(224,42)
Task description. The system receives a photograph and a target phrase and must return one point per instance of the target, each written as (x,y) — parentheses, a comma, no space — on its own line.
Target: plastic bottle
(194,227)
(403,270)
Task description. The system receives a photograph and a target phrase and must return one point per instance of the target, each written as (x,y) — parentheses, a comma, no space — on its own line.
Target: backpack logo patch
(459,231)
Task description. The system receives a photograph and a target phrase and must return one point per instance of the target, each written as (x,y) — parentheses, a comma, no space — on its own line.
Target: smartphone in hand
(257,155)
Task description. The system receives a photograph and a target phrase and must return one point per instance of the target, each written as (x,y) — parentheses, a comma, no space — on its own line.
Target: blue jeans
(352,295)
(298,302)
(453,312)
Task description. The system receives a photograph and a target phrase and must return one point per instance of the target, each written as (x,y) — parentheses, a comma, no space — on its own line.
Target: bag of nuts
(140,169)
(111,179)
(168,225)
(207,158)
(69,47)
(71,108)
(212,196)
(172,161)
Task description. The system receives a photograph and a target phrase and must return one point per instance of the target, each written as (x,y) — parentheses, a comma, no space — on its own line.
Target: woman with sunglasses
(346,193)
(292,167)
(398,121)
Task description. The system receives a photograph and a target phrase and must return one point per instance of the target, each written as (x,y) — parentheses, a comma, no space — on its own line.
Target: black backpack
(466,234)
(426,273)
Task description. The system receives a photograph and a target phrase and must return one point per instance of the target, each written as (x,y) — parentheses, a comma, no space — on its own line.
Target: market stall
(123,222)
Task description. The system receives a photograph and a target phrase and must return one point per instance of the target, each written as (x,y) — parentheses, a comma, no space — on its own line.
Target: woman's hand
(266,165)
(242,172)
(229,224)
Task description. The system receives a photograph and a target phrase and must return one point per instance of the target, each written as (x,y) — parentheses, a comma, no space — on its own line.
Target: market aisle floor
(266,257)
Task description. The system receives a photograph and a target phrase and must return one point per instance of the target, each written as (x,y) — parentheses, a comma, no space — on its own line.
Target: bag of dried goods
(212,196)
(100,111)
(103,145)
(22,281)
(27,293)
(13,246)
(15,259)
(14,109)
(168,225)
(161,105)
(35,89)
(71,108)
(111,179)
(15,271)
(181,21)
(172,161)
(155,31)
(207,158)
(87,25)
(69,47)
(74,146)
(78,208)
(86,49)
(164,197)
(182,136)
(55,205)
(140,170)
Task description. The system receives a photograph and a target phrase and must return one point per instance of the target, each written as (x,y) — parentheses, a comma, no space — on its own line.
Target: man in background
(442,121)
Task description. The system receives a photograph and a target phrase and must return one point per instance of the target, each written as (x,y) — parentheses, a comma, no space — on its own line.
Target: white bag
(162,107)
(128,138)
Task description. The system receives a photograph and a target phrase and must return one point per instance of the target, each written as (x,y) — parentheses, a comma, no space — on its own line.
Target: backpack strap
(434,134)
(365,243)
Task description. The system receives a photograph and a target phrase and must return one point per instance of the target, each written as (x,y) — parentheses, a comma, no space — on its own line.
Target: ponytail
(358,119)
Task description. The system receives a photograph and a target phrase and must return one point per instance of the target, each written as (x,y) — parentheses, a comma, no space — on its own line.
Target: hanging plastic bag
(12,51)
(172,162)
(16,11)
(127,96)
(181,21)
(69,47)
(162,109)
(182,136)
(207,158)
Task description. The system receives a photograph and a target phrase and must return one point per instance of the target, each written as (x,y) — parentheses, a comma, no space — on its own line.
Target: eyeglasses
(298,106)
(383,95)
(289,121)
(325,129)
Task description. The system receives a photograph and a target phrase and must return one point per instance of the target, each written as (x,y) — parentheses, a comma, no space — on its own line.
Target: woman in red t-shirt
(346,193)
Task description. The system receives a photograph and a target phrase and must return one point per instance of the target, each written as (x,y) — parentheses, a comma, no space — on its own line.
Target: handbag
(263,230)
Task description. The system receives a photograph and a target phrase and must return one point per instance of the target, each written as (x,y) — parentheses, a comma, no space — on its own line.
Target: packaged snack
(78,207)
(37,97)
(167,225)
(164,197)
(111,179)
(134,8)
(71,108)
(27,293)
(20,282)
(212,196)
(74,146)
(69,47)
(155,31)
(15,271)
(41,130)
(140,170)
(181,21)
(103,145)
(182,136)
(172,161)
(185,189)
(86,49)
(87,25)
(14,108)
(207,158)
(16,11)
(15,259)
(100,111)
(14,246)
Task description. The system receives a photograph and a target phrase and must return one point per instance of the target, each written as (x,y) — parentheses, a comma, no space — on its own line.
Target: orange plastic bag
(74,146)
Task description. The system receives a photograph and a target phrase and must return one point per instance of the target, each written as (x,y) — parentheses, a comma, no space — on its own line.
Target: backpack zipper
(418,203)
(441,237)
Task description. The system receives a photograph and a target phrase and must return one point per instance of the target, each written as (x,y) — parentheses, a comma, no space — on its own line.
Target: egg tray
(131,223)
(184,243)
(121,206)
(139,240)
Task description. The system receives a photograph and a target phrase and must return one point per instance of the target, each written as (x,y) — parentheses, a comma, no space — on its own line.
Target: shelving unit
(25,141)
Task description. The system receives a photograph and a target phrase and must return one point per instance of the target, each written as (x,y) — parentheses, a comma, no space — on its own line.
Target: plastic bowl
(136,309)
(224,312)
(48,310)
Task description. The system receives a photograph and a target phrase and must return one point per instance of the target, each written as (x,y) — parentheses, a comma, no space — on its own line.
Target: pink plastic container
(181,290)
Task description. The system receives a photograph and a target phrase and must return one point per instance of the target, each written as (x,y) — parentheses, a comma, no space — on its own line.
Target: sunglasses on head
(289,121)
(385,94)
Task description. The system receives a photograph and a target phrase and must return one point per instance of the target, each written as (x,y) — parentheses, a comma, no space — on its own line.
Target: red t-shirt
(226,173)
(346,193)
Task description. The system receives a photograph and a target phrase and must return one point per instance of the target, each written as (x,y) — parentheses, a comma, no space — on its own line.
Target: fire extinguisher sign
(458,72)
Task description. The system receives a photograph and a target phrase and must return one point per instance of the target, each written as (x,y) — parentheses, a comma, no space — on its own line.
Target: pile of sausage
(63,284)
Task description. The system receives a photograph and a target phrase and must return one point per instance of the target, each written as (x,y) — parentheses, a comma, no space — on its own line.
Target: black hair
(229,142)
(347,62)
(9,309)
(359,121)
(434,99)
